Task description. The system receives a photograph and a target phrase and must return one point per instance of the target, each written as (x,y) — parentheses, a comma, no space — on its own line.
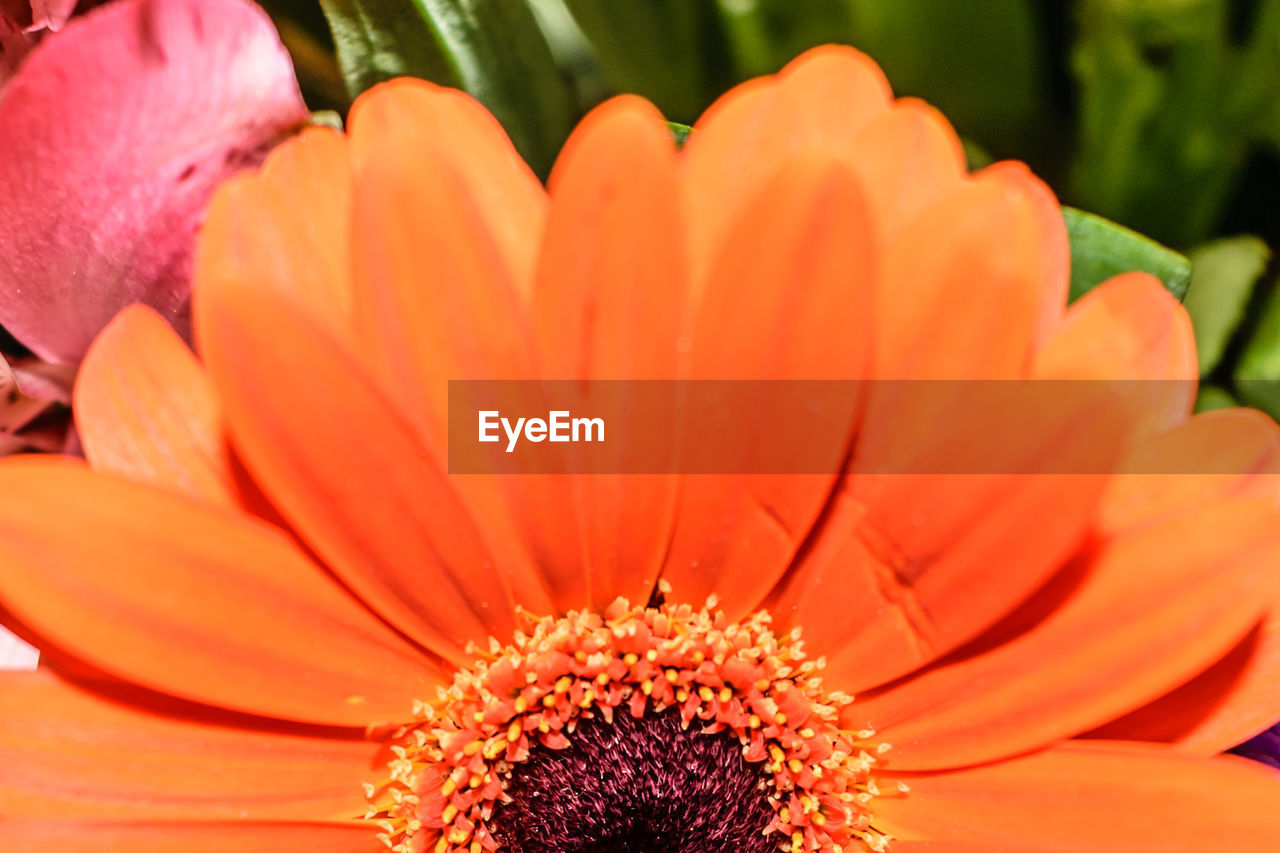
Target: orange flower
(297,618)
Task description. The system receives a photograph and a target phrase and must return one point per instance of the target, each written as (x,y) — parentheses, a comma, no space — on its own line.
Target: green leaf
(493,49)
(945,52)
(760,40)
(327,118)
(1163,129)
(940,50)
(1257,373)
(1223,275)
(1101,249)
(975,155)
(664,50)
(679,132)
(1214,397)
(1255,93)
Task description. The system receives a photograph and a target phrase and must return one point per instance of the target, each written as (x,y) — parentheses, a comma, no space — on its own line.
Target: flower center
(636,785)
(637,729)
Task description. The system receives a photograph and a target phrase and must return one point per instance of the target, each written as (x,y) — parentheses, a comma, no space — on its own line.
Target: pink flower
(36,15)
(115,130)
(23,23)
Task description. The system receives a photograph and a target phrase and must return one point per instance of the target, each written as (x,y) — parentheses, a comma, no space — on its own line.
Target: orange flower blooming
(272,620)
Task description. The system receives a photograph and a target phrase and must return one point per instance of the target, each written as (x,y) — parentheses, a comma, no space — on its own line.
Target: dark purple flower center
(637,786)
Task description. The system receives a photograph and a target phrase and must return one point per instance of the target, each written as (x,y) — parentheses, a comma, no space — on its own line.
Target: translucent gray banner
(826,427)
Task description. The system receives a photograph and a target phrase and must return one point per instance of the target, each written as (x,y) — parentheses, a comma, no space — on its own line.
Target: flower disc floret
(452,767)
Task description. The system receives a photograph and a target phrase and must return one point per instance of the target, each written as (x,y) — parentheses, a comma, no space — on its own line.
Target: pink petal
(34,15)
(34,406)
(23,22)
(51,14)
(114,133)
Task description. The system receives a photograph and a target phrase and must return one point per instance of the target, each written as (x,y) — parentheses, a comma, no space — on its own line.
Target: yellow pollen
(451,767)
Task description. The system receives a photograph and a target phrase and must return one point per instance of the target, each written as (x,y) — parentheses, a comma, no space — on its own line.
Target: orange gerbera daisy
(272,620)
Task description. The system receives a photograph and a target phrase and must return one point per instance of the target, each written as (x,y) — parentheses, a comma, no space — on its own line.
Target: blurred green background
(1160,115)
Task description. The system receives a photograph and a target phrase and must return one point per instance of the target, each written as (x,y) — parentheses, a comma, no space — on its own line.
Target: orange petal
(610,299)
(349,473)
(1054,267)
(965,497)
(175,596)
(1224,706)
(816,105)
(933,562)
(1128,328)
(1240,695)
(835,92)
(287,227)
(905,569)
(145,409)
(69,752)
(610,303)
(447,223)
(446,230)
(907,159)
(1223,452)
(787,300)
(450,128)
(1104,797)
(43,834)
(965,287)
(1139,616)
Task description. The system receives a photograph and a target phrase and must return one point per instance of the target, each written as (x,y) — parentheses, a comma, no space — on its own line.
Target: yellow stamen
(739,679)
